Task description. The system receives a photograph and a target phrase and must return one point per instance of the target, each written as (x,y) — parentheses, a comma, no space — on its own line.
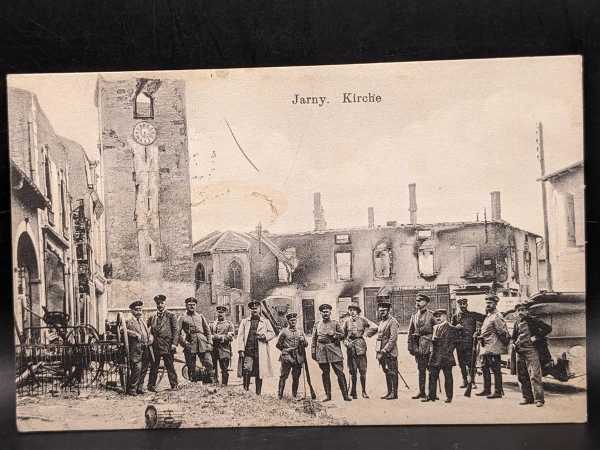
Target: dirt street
(206,406)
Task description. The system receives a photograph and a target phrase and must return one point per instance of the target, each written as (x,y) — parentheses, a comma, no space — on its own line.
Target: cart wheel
(82,334)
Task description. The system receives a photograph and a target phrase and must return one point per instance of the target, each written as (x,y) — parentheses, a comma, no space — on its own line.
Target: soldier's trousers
(389,364)
(357,363)
(434,375)
(205,359)
(422,366)
(529,373)
(296,370)
(338,368)
(223,364)
(491,364)
(138,367)
(168,360)
(464,351)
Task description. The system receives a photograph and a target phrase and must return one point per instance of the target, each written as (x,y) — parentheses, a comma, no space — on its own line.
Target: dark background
(104,35)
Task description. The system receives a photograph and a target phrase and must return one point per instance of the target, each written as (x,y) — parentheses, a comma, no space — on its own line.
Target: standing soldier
(163,326)
(528,332)
(140,354)
(466,321)
(291,342)
(494,338)
(254,335)
(222,331)
(420,331)
(386,347)
(197,341)
(326,351)
(354,327)
(442,356)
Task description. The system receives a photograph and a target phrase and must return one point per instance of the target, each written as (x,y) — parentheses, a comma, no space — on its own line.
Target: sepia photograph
(365,244)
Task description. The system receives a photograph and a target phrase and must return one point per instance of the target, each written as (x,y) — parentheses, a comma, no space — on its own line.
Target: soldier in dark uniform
(222,332)
(386,347)
(163,326)
(140,356)
(291,343)
(420,331)
(528,333)
(326,351)
(466,321)
(442,356)
(198,339)
(354,327)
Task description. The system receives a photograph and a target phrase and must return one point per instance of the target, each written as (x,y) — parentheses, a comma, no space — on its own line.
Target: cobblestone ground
(205,406)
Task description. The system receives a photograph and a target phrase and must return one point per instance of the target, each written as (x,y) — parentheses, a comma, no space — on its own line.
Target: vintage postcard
(377,244)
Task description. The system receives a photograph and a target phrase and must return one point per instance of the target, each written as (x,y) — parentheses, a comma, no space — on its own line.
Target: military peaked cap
(190,300)
(136,304)
(325,306)
(291,315)
(221,308)
(160,298)
(423,297)
(253,304)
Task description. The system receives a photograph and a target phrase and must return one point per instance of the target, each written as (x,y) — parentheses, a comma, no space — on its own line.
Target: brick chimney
(412,198)
(371,213)
(319,213)
(496,206)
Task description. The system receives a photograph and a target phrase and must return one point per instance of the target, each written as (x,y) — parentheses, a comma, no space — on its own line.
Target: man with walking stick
(354,327)
(466,321)
(420,332)
(386,347)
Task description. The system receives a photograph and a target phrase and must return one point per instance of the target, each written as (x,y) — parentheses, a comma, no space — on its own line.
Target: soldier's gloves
(314,356)
(241,353)
(379,356)
(261,337)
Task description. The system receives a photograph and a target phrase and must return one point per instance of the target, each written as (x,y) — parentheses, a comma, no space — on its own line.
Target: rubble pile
(201,406)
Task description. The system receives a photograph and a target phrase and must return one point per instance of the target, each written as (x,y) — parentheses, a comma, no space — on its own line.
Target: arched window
(200,274)
(234,279)
(382,260)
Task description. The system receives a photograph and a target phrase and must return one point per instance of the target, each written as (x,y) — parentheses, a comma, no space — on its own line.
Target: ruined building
(144,151)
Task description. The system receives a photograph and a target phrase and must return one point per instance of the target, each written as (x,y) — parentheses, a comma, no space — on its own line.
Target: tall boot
(421,394)
(388,382)
(363,385)
(225,378)
(326,387)
(463,372)
(353,388)
(344,388)
(281,388)
(394,385)
(295,382)
(487,384)
(246,381)
(258,382)
(498,391)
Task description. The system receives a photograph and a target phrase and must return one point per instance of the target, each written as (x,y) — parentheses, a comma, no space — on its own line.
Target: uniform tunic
(198,338)
(354,329)
(420,331)
(468,320)
(493,326)
(326,341)
(221,330)
(289,342)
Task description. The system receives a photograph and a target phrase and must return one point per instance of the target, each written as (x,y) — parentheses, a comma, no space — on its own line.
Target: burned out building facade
(57,246)
(144,152)
(232,267)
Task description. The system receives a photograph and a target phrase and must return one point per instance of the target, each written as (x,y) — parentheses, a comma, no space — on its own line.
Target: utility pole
(540,154)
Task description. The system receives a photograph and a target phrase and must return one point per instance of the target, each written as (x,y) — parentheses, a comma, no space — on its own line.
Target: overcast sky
(458,129)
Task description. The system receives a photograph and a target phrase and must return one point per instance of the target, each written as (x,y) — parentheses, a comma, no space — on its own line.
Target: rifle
(313,395)
(269,316)
(473,368)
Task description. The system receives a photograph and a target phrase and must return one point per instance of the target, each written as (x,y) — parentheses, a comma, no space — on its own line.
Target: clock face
(144,133)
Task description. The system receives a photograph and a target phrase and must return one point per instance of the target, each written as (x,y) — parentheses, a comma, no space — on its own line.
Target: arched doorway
(27,303)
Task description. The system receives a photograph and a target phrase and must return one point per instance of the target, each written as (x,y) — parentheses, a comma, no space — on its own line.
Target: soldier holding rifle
(466,322)
(420,331)
(387,347)
(291,342)
(354,327)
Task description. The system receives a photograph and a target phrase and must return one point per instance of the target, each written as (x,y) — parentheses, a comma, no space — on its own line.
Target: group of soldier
(433,338)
